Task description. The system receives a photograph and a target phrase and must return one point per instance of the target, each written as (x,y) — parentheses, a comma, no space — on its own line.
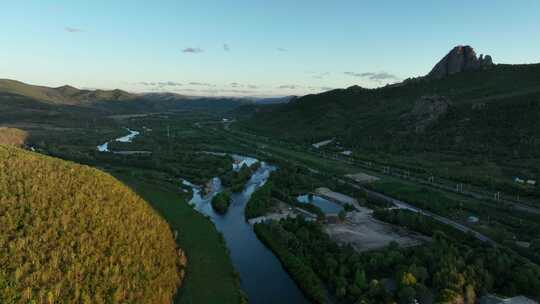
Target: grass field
(210,275)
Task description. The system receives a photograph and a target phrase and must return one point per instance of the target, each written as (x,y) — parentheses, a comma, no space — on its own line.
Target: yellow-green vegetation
(12,136)
(73,234)
(210,276)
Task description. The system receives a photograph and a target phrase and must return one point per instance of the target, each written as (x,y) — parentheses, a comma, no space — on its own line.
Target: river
(127,138)
(262,276)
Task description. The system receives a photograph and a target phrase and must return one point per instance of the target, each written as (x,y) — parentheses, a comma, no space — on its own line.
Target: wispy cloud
(326,88)
(227,91)
(288,87)
(73,29)
(160,86)
(321,75)
(201,84)
(192,50)
(226,47)
(160,83)
(240,85)
(379,77)
(171,83)
(354,74)
(320,88)
(282,50)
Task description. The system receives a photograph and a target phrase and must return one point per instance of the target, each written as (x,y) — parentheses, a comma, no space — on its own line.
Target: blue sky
(257,48)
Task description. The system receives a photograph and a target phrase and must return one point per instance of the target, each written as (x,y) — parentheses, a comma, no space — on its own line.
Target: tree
(360,279)
(221,202)
(470,295)
(408,279)
(448,296)
(420,273)
(342,214)
(406,295)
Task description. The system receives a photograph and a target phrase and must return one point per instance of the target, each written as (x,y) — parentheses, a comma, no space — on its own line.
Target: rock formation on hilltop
(460,59)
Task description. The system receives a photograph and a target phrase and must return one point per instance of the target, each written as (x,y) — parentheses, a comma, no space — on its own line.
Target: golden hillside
(73,234)
(12,136)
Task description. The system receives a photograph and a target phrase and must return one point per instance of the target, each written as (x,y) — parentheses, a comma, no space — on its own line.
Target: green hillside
(483,123)
(73,234)
(371,116)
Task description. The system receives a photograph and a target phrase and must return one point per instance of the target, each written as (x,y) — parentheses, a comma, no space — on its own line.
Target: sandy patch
(362,178)
(365,233)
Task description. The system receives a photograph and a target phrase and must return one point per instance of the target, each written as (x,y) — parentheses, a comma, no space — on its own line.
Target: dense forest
(236,180)
(479,128)
(451,269)
(260,202)
(284,185)
(392,117)
(73,234)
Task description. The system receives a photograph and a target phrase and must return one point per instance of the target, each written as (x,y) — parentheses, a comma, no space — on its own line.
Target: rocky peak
(460,59)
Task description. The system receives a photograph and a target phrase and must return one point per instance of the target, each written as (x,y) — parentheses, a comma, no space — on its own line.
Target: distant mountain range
(17,96)
(62,95)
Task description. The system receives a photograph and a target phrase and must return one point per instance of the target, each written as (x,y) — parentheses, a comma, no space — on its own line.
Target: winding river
(262,276)
(128,138)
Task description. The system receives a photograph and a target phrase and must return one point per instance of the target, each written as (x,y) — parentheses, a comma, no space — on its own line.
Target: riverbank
(210,276)
(254,262)
(301,272)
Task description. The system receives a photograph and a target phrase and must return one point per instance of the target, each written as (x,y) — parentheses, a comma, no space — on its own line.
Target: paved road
(475,195)
(471,194)
(403,205)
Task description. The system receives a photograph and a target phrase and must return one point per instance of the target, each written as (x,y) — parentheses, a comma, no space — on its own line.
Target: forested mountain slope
(495,110)
(73,234)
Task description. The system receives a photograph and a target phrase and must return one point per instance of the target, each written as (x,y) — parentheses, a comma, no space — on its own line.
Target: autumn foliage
(73,234)
(12,136)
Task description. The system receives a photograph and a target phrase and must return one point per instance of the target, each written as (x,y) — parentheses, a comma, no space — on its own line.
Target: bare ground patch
(362,178)
(364,233)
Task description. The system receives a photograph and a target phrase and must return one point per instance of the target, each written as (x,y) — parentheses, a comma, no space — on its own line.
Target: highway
(406,206)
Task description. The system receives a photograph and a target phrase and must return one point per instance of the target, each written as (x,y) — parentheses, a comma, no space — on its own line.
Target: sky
(253,47)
